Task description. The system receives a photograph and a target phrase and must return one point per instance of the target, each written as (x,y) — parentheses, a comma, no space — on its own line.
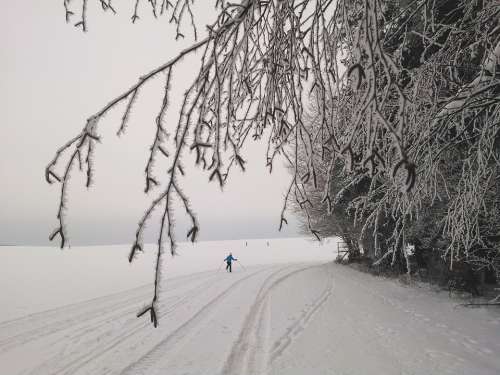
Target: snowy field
(289,310)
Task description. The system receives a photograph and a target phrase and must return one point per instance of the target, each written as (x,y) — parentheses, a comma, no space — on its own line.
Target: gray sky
(54,77)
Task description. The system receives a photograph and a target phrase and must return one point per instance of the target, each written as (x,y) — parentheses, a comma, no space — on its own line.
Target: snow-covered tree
(399,86)
(429,78)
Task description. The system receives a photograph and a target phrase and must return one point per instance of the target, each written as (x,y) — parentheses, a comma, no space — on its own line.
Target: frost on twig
(410,123)
(405,115)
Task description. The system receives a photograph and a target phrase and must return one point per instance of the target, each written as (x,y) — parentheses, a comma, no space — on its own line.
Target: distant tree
(398,86)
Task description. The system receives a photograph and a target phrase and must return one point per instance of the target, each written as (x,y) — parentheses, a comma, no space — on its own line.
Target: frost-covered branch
(405,102)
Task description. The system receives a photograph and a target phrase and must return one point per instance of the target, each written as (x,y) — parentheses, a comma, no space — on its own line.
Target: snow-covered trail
(372,325)
(296,318)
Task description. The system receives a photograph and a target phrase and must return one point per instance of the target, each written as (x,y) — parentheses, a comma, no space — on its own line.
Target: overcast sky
(53,78)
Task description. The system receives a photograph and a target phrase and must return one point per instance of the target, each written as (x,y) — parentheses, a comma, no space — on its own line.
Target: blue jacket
(229,259)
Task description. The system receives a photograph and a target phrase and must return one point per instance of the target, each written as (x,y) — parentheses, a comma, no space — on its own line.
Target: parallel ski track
(93,328)
(67,317)
(137,325)
(250,354)
(280,345)
(164,348)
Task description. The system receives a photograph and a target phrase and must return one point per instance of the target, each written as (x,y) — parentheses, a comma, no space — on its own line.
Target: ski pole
(218,269)
(242,265)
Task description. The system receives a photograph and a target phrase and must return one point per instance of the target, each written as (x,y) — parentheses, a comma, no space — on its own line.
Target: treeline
(410,176)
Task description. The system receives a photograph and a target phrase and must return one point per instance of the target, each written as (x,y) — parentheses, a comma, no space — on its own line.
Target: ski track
(49,322)
(280,345)
(141,325)
(219,323)
(250,354)
(163,349)
(93,334)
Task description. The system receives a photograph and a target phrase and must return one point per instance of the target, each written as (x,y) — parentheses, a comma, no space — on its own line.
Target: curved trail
(288,319)
(103,336)
(250,354)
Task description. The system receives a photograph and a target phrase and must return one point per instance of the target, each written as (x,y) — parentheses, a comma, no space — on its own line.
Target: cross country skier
(229,259)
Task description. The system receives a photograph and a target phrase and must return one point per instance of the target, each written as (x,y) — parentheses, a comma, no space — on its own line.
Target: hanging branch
(386,122)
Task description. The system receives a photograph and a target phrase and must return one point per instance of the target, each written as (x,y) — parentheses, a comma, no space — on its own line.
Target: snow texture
(289,310)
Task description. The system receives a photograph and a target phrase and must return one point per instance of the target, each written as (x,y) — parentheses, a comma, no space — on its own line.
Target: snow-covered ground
(290,310)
